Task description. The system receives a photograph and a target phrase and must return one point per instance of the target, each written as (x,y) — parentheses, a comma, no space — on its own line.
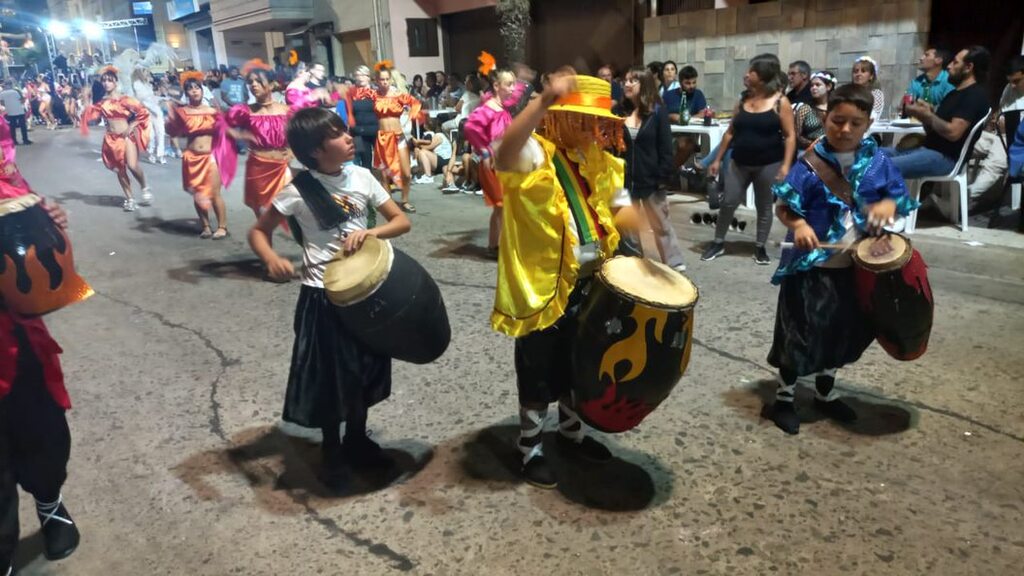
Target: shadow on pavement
(105,200)
(874,417)
(196,270)
(282,471)
(461,245)
(179,227)
(30,549)
(616,486)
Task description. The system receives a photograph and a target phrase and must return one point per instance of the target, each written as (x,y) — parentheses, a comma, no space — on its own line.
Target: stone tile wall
(829,34)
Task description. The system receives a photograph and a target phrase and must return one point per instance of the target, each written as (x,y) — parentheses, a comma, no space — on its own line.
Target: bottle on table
(908,98)
(684,110)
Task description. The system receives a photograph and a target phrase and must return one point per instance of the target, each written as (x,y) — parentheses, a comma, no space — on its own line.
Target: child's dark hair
(192,82)
(688,73)
(307,131)
(263,75)
(859,96)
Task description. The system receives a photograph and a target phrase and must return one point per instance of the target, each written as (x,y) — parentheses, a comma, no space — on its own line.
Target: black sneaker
(761,256)
(714,250)
(785,417)
(537,471)
(60,535)
(588,449)
(364,453)
(6,568)
(836,409)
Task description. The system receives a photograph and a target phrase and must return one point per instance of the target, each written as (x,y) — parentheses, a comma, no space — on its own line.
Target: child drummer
(559,189)
(818,325)
(333,378)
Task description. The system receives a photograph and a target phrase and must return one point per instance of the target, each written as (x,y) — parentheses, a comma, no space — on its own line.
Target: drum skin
(37,269)
(899,305)
(405,318)
(627,358)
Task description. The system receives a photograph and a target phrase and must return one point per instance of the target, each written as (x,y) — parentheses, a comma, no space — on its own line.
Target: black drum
(389,302)
(633,342)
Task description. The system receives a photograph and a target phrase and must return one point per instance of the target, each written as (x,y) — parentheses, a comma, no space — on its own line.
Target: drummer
(818,325)
(563,177)
(333,378)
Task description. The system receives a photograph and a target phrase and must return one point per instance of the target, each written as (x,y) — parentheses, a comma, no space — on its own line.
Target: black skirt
(818,324)
(331,371)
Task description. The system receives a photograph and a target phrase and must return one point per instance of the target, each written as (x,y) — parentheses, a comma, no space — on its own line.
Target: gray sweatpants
(737,178)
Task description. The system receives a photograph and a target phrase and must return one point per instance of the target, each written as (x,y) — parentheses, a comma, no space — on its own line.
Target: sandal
(206,233)
(221,233)
(406,207)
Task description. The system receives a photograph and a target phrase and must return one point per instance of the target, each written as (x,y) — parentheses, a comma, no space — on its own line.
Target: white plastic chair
(958,176)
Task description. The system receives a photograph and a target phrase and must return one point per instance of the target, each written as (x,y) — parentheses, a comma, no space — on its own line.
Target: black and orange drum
(389,302)
(893,291)
(37,270)
(633,341)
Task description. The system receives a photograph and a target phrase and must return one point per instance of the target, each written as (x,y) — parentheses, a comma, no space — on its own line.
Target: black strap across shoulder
(329,213)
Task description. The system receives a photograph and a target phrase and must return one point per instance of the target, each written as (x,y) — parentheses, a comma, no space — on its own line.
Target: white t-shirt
(1011,100)
(444,149)
(357,190)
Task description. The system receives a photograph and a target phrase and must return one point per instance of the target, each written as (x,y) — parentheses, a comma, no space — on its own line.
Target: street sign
(126,23)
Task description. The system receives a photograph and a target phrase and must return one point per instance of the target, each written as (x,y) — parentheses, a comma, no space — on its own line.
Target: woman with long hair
(810,119)
(262,124)
(204,128)
(865,73)
(69,94)
(763,144)
(142,85)
(484,126)
(127,134)
(45,102)
(648,157)
(391,151)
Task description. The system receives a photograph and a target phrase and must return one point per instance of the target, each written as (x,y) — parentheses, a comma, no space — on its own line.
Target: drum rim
(10,206)
(390,252)
(640,300)
(880,268)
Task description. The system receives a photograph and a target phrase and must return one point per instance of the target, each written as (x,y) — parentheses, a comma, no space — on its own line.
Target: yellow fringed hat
(592,96)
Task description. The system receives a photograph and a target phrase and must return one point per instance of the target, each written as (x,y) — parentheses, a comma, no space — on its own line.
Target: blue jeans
(920,162)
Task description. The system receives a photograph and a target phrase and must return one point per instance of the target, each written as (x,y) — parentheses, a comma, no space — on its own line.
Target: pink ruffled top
(267,129)
(299,98)
(11,185)
(485,125)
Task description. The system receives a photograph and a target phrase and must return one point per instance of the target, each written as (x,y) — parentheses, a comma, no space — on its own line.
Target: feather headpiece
(255,64)
(487,62)
(383,65)
(191,75)
(109,69)
(293,58)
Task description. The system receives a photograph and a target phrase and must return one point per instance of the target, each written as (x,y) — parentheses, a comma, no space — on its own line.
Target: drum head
(901,252)
(350,279)
(19,204)
(651,283)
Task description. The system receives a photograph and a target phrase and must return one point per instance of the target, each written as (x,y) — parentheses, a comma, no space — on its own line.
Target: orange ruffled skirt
(385,155)
(490,184)
(116,145)
(199,177)
(264,178)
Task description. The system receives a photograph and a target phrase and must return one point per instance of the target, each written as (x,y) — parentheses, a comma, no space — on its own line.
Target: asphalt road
(179,465)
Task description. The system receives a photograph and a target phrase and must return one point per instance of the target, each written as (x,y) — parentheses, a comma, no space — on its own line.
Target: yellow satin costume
(537,265)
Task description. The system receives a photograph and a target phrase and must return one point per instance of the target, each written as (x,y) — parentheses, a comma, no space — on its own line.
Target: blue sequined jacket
(873,178)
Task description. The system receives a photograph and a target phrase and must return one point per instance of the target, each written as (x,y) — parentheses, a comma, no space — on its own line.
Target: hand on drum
(880,215)
(880,246)
(280,269)
(354,241)
(804,237)
(56,213)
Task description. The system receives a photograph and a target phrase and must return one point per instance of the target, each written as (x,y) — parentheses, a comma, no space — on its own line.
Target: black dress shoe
(588,449)
(836,409)
(60,535)
(537,471)
(785,417)
(364,453)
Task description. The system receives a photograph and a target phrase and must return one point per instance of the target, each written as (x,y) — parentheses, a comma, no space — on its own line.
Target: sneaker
(60,535)
(714,250)
(334,474)
(761,256)
(128,205)
(364,453)
(537,471)
(9,568)
(450,189)
(785,417)
(836,409)
(152,159)
(162,159)
(588,449)
(478,192)
(147,197)
(679,268)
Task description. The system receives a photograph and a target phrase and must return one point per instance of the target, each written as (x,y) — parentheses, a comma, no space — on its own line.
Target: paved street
(179,464)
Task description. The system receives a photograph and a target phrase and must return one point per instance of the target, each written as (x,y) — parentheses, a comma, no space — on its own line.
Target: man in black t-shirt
(800,83)
(948,127)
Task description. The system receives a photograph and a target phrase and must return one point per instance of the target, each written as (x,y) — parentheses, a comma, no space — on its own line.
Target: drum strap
(328,212)
(839,186)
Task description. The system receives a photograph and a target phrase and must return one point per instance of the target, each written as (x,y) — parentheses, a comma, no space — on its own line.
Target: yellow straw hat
(592,96)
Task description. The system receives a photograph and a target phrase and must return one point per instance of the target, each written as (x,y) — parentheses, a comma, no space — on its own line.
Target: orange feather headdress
(383,65)
(109,69)
(487,63)
(191,75)
(293,58)
(254,64)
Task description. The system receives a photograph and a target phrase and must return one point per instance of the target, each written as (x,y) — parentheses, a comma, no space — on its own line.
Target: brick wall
(829,34)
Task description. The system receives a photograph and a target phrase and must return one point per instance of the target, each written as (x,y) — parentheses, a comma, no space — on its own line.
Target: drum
(893,291)
(389,302)
(633,341)
(37,270)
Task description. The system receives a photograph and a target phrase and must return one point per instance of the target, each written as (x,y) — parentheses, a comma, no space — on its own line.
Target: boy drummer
(559,189)
(818,325)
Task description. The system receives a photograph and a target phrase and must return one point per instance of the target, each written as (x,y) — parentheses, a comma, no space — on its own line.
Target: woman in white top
(142,85)
(865,73)
(468,102)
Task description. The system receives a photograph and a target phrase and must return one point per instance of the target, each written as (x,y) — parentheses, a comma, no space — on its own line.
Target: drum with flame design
(633,341)
(37,270)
